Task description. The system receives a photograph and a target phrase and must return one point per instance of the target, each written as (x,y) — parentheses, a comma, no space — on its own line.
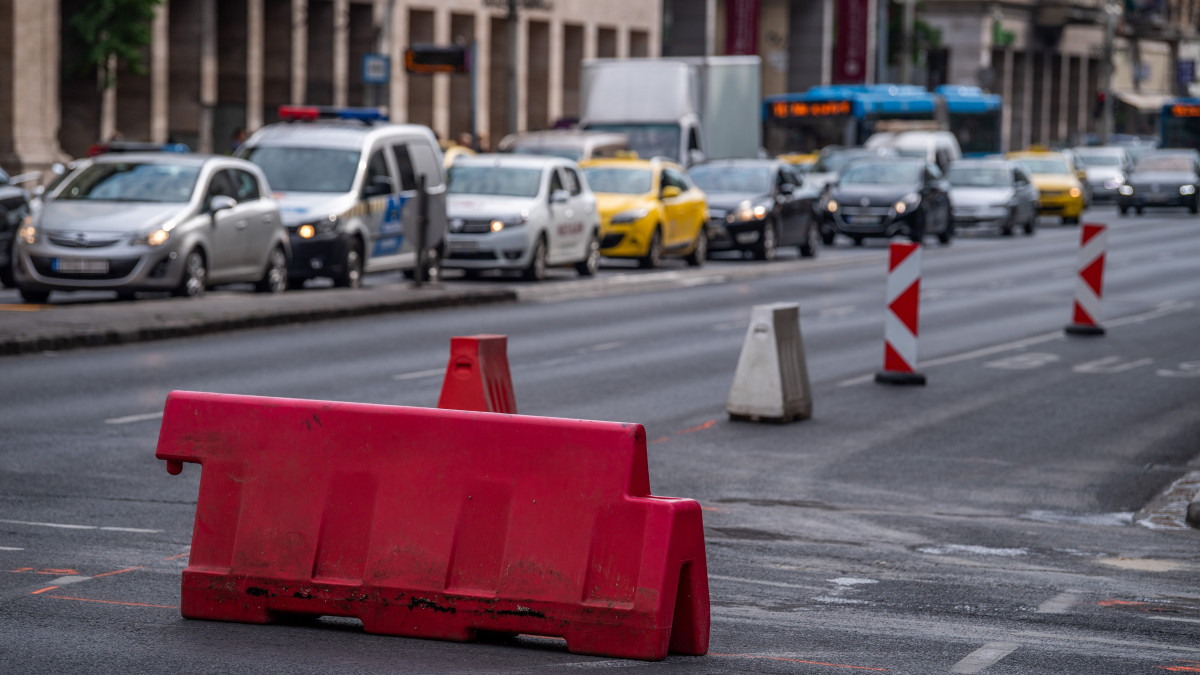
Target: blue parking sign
(376,68)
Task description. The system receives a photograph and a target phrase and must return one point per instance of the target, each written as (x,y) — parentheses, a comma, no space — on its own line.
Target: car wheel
(1139,210)
(590,264)
(536,271)
(1194,207)
(653,257)
(828,235)
(195,276)
(766,247)
(699,250)
(812,243)
(857,239)
(916,232)
(352,267)
(275,276)
(34,297)
(1124,210)
(946,234)
(126,296)
(1030,225)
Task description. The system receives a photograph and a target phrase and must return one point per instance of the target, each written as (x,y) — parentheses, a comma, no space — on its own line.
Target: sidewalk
(34,328)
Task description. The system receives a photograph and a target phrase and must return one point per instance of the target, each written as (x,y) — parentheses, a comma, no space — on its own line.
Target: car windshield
(1052,165)
(3,177)
(133,182)
(717,178)
(619,181)
(565,152)
(500,181)
(647,140)
(834,161)
(880,173)
(1163,163)
(977,176)
(306,169)
(1096,159)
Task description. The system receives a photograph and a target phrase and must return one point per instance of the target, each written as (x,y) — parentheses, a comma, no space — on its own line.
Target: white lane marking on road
(10,548)
(134,418)
(1179,619)
(62,581)
(1110,365)
(1059,604)
(984,657)
(419,374)
(1026,361)
(602,664)
(760,582)
(66,526)
(602,347)
(951,549)
(847,582)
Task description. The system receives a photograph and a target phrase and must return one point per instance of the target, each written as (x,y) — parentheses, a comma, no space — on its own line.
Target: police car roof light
(309,113)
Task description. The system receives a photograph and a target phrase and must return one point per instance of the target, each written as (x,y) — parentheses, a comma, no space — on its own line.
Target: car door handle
(240,224)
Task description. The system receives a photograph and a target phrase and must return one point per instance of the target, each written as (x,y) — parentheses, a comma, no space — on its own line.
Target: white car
(520,212)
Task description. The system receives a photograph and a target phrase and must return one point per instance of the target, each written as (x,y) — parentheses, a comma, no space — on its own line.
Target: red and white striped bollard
(1084,320)
(900,325)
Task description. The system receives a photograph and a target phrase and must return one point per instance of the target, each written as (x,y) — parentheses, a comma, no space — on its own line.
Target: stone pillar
(522,66)
(341,51)
(29,103)
(1006,100)
(160,70)
(1085,103)
(441,81)
(554,106)
(622,42)
(1027,102)
(1047,97)
(398,88)
(810,45)
(255,39)
(1063,95)
(208,74)
(590,39)
(299,51)
(483,80)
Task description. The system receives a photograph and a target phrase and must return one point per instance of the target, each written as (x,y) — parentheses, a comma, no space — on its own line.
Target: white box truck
(687,108)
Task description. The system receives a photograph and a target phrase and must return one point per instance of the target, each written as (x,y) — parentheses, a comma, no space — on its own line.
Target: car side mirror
(379,185)
(559,196)
(670,192)
(220,203)
(787,188)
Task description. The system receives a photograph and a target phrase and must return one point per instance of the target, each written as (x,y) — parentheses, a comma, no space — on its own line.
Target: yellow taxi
(649,208)
(803,161)
(1057,180)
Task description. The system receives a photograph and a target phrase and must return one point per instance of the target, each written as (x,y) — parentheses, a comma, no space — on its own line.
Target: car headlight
(1187,190)
(321,226)
(630,216)
(500,223)
(1074,192)
(28,231)
(831,205)
(748,211)
(909,202)
(1114,183)
(155,237)
(1125,190)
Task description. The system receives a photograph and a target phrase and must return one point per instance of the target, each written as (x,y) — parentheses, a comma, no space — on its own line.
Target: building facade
(219,66)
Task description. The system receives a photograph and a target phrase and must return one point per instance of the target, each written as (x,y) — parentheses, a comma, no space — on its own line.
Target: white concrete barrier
(771,380)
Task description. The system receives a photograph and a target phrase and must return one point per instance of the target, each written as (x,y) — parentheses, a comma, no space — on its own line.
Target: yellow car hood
(610,204)
(1051,181)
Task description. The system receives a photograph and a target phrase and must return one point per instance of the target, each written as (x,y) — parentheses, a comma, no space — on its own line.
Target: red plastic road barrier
(436,523)
(900,326)
(477,376)
(1092,241)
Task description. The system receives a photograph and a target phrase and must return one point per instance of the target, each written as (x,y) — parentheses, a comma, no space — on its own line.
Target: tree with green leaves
(114,30)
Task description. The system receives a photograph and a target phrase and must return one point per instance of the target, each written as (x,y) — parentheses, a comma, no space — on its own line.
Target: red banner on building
(741,26)
(850,42)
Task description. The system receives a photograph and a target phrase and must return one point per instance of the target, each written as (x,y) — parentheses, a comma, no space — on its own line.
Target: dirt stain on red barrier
(425,603)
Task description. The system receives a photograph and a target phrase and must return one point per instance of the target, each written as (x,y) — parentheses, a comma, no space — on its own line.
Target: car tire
(1139,210)
(1074,220)
(34,297)
(275,276)
(352,267)
(916,232)
(1124,210)
(433,266)
(590,264)
(1194,207)
(194,281)
(699,250)
(828,236)
(767,246)
(946,234)
(536,270)
(653,257)
(1030,225)
(857,239)
(812,243)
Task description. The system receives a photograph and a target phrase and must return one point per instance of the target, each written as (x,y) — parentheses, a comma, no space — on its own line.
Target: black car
(756,206)
(14,206)
(884,198)
(1162,178)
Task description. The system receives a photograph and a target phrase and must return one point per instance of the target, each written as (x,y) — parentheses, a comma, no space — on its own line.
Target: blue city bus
(1179,126)
(973,117)
(842,114)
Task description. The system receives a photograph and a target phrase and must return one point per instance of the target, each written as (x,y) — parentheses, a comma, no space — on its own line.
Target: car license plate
(80,265)
(463,245)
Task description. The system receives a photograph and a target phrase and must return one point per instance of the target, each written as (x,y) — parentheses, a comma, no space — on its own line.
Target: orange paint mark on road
(691,430)
(175,557)
(57,572)
(1180,669)
(113,602)
(127,569)
(48,588)
(1117,603)
(22,308)
(664,439)
(22,569)
(711,508)
(811,663)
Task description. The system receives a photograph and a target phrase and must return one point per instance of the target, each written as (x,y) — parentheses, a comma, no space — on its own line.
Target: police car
(523,213)
(348,186)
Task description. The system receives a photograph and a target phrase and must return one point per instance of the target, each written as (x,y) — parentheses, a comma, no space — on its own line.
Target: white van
(347,184)
(936,147)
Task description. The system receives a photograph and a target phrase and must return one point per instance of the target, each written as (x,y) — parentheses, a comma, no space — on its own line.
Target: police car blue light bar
(309,113)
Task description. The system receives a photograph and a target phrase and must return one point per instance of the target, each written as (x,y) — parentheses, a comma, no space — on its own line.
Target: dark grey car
(756,206)
(992,193)
(1162,178)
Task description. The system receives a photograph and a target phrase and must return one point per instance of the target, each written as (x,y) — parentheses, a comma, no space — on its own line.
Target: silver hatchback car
(153,222)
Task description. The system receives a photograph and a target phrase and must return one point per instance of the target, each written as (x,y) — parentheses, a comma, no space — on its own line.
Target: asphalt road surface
(1015,515)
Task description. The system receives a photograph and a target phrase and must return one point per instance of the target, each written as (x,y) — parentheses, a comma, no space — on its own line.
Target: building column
(1006,94)
(1047,96)
(299,51)
(1085,107)
(554,106)
(398,88)
(441,81)
(208,74)
(1063,99)
(522,65)
(1026,138)
(255,33)
(160,93)
(590,40)
(482,80)
(341,51)
(29,127)
(622,42)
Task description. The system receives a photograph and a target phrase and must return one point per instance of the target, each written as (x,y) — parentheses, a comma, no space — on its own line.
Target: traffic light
(428,59)
(1098,109)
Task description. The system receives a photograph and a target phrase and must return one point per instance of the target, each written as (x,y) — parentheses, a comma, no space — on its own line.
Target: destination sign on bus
(785,109)
(1185,110)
